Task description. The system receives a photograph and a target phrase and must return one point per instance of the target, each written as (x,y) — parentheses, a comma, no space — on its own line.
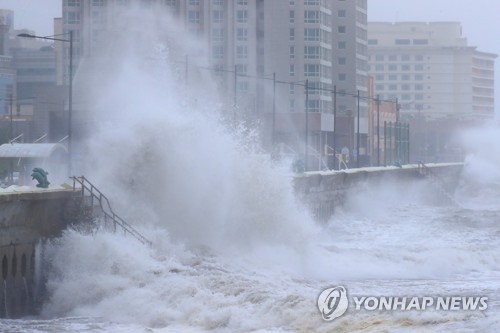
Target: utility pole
(274,113)
(307,126)
(11,163)
(357,137)
(334,124)
(378,130)
(186,73)
(235,92)
(11,129)
(70,106)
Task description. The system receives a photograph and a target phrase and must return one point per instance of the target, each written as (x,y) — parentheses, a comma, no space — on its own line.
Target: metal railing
(102,200)
(438,182)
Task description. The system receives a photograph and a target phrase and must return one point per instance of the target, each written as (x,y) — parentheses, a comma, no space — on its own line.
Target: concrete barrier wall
(26,220)
(324,192)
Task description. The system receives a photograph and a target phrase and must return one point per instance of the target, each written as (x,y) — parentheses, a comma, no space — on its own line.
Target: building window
(292,16)
(217,52)
(342,77)
(242,87)
(218,35)
(311,16)
(341,13)
(242,2)
(291,106)
(241,69)
(72,17)
(292,34)
(291,88)
(372,42)
(341,61)
(241,52)
(218,16)
(379,57)
(72,3)
(311,70)
(393,87)
(419,57)
(419,97)
(311,52)
(311,2)
(393,58)
(405,77)
(292,70)
(292,52)
(419,77)
(169,2)
(393,77)
(98,3)
(402,42)
(406,97)
(313,105)
(311,34)
(342,45)
(419,87)
(405,87)
(218,2)
(341,29)
(405,67)
(420,42)
(313,88)
(194,16)
(379,67)
(241,34)
(379,87)
(405,57)
(419,67)
(241,16)
(393,68)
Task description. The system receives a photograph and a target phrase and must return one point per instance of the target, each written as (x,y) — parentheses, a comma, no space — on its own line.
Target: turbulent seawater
(233,250)
(110,283)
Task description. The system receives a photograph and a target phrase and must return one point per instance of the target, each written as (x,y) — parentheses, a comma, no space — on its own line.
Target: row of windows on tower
(394,67)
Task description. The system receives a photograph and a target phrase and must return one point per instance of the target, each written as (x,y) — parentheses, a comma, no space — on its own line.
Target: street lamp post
(70,97)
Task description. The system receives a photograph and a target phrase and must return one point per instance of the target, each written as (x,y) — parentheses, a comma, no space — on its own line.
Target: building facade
(249,42)
(431,70)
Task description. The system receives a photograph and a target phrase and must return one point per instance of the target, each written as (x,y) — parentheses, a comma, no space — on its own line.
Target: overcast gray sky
(480,18)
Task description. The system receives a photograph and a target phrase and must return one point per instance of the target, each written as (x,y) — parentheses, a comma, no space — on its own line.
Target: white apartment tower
(431,70)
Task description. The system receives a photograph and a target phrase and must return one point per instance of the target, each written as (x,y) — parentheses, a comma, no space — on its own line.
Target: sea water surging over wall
(233,250)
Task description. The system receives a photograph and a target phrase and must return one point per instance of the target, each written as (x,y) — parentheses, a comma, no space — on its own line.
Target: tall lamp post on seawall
(70,98)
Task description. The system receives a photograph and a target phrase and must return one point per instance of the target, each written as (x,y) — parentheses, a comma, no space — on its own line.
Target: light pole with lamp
(70,98)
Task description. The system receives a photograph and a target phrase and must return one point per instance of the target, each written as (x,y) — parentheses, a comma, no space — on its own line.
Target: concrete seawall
(27,219)
(30,218)
(324,192)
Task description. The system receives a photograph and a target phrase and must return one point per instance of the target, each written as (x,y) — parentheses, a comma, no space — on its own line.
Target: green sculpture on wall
(41,176)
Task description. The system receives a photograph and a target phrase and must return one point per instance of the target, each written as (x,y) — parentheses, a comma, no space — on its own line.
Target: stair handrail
(109,212)
(428,172)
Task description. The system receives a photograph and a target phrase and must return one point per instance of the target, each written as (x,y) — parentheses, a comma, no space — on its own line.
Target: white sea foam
(233,250)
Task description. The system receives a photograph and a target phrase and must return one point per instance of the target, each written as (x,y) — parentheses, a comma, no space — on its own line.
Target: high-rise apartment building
(431,70)
(321,42)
